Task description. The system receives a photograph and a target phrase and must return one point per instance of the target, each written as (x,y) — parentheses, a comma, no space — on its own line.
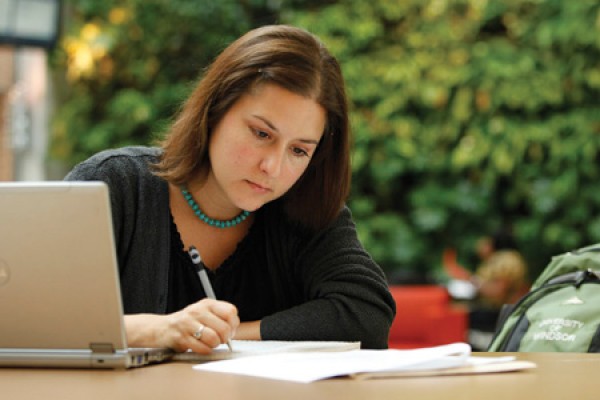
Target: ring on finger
(198,333)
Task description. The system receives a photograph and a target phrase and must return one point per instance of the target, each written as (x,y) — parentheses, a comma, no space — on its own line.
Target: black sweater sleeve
(344,293)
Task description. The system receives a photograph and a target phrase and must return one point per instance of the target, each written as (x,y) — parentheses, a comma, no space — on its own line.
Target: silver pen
(210,293)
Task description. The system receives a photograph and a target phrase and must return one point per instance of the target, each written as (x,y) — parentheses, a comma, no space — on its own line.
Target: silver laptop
(60,299)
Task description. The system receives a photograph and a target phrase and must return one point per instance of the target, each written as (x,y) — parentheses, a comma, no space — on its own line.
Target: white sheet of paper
(312,366)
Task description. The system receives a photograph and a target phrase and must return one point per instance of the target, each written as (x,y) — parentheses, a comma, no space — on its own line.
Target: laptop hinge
(103,348)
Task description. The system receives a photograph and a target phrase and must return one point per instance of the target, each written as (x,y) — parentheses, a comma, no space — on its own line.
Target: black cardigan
(302,285)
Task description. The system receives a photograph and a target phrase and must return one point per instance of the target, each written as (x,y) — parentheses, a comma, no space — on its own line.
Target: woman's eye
(261,134)
(300,152)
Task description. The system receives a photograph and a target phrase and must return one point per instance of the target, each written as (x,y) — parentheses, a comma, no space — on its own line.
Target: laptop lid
(60,300)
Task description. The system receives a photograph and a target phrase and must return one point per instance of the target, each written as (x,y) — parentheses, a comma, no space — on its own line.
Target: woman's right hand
(214,322)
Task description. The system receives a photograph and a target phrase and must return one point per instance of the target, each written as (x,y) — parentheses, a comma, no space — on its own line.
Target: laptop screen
(59,286)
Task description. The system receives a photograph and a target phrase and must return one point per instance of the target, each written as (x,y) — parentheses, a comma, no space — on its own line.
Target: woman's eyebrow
(266,121)
(274,128)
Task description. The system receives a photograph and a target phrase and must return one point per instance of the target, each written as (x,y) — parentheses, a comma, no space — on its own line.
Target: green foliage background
(467,114)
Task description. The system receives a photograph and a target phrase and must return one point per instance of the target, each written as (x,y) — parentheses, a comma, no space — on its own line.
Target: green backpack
(561,313)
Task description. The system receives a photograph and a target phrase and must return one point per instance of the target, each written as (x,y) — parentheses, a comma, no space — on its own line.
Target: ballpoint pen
(197,260)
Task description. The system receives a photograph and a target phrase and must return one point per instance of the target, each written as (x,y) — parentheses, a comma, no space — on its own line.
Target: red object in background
(426,317)
(452,267)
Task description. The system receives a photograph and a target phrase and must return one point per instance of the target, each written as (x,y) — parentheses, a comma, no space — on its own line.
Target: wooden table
(558,376)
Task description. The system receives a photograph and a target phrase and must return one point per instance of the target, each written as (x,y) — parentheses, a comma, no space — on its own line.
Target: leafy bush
(467,114)
(126,66)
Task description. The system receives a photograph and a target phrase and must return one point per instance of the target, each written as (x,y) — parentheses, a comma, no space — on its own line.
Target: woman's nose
(271,162)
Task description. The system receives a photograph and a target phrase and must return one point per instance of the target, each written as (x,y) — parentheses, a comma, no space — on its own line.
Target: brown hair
(297,61)
(510,269)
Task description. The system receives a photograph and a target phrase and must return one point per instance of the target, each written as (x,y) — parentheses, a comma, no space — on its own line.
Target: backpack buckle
(584,276)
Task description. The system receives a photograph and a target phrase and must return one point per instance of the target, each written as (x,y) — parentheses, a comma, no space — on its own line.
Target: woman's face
(262,145)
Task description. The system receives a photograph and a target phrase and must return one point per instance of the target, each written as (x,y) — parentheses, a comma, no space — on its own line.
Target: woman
(253,173)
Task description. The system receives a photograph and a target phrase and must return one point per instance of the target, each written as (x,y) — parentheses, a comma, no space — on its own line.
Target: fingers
(226,318)
(202,340)
(204,325)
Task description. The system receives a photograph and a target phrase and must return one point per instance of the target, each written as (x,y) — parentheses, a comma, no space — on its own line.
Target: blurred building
(24,113)
(6,79)
(27,29)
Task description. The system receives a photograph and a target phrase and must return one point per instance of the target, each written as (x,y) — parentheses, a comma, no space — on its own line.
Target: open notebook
(60,300)
(451,359)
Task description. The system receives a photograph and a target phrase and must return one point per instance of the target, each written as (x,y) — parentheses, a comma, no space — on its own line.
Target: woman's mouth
(258,188)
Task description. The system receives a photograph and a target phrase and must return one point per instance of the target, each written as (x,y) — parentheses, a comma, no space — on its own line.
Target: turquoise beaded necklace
(210,221)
